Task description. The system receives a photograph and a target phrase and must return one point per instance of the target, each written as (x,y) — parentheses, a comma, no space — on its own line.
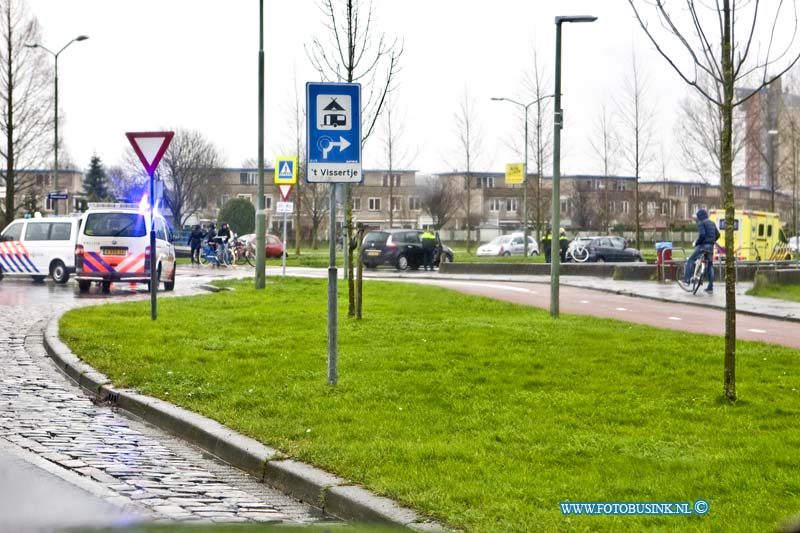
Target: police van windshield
(115,225)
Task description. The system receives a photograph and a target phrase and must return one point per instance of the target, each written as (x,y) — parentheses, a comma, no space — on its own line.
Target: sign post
(150,147)
(333,148)
(285,178)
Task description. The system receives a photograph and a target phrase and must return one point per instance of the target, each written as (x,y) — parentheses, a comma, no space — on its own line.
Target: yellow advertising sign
(286,170)
(514,174)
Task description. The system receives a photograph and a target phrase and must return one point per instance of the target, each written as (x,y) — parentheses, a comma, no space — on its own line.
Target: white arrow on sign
(342,143)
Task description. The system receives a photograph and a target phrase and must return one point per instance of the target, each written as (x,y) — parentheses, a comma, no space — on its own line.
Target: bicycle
(700,267)
(217,254)
(577,251)
(243,252)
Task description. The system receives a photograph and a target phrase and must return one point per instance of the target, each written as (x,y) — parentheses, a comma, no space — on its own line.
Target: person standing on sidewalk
(707,235)
(428,245)
(196,243)
(546,240)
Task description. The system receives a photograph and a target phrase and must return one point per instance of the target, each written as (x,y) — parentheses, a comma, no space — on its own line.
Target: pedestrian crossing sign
(286,170)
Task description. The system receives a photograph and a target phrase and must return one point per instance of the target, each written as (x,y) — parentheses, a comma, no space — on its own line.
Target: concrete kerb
(316,487)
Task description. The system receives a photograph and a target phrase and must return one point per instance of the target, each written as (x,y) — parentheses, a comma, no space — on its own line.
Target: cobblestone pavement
(147,471)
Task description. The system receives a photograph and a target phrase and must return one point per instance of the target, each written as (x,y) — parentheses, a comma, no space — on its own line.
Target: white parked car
(794,244)
(506,245)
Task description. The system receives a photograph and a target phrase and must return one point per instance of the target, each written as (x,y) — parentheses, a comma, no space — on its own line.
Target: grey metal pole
(525,189)
(555,206)
(558,123)
(332,295)
(283,255)
(261,214)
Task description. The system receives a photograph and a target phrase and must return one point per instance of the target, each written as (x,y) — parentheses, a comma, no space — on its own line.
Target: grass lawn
(784,292)
(482,414)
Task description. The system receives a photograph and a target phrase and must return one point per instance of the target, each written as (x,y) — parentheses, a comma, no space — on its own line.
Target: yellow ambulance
(757,236)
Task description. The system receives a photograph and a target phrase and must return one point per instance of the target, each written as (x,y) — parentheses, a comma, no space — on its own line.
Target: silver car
(506,245)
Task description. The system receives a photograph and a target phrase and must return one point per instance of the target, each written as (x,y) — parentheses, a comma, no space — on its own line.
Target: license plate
(373,252)
(114,251)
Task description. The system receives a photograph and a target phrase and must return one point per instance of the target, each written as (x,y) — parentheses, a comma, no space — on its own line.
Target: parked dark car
(610,249)
(400,248)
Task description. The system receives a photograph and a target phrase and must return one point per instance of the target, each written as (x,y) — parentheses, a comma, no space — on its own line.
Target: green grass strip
(480,413)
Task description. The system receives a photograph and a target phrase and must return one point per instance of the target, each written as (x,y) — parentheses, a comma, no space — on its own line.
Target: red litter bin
(664,257)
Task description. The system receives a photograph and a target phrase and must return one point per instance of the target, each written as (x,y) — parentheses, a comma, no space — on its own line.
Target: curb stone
(316,487)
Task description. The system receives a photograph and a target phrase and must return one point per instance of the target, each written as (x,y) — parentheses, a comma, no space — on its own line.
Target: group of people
(563,244)
(211,237)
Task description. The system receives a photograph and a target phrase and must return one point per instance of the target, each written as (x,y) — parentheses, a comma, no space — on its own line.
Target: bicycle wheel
(697,279)
(204,258)
(227,257)
(679,272)
(580,254)
(250,256)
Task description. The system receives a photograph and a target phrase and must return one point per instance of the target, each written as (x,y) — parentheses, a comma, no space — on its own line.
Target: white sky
(159,64)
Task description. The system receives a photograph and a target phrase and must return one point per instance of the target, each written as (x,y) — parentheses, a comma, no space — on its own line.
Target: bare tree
(605,148)
(315,198)
(698,132)
(694,35)
(187,166)
(537,85)
(355,53)
(26,112)
(469,149)
(394,153)
(636,132)
(438,199)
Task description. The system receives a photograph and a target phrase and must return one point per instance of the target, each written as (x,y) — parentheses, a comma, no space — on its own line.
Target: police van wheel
(83,285)
(170,285)
(59,272)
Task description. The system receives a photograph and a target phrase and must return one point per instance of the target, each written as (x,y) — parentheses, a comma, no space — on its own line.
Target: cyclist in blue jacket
(707,235)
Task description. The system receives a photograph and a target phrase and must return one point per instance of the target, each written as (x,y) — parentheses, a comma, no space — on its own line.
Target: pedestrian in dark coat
(196,243)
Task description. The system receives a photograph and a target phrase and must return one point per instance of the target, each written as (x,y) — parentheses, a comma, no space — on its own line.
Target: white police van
(113,245)
(39,247)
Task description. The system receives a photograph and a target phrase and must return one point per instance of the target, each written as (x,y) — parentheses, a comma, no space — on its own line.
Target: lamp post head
(496,99)
(81,37)
(34,45)
(575,18)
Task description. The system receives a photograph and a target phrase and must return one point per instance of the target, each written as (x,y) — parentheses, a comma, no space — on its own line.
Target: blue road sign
(58,195)
(333,139)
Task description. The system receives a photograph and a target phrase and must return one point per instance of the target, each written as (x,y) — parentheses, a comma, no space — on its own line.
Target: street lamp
(524,167)
(55,143)
(558,116)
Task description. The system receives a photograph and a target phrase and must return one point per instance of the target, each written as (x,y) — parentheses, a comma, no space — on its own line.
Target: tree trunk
(729,387)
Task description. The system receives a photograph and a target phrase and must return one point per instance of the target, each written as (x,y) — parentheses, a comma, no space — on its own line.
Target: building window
(391,180)
(620,186)
(223,200)
(247,178)
(395,203)
(695,190)
(664,208)
(626,207)
(485,182)
(679,190)
(511,205)
(565,207)
(374,204)
(414,203)
(356,203)
(267,202)
(651,208)
(494,204)
(43,180)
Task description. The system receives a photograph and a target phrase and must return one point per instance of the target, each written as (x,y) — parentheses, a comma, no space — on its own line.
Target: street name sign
(333,132)
(286,170)
(285,208)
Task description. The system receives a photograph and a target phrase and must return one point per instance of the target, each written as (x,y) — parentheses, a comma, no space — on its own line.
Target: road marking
(675,318)
(490,286)
(757,330)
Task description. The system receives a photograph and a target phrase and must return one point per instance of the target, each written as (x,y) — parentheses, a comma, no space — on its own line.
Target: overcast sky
(159,64)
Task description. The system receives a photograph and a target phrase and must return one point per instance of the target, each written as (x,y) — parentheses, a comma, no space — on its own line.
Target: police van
(39,247)
(113,245)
